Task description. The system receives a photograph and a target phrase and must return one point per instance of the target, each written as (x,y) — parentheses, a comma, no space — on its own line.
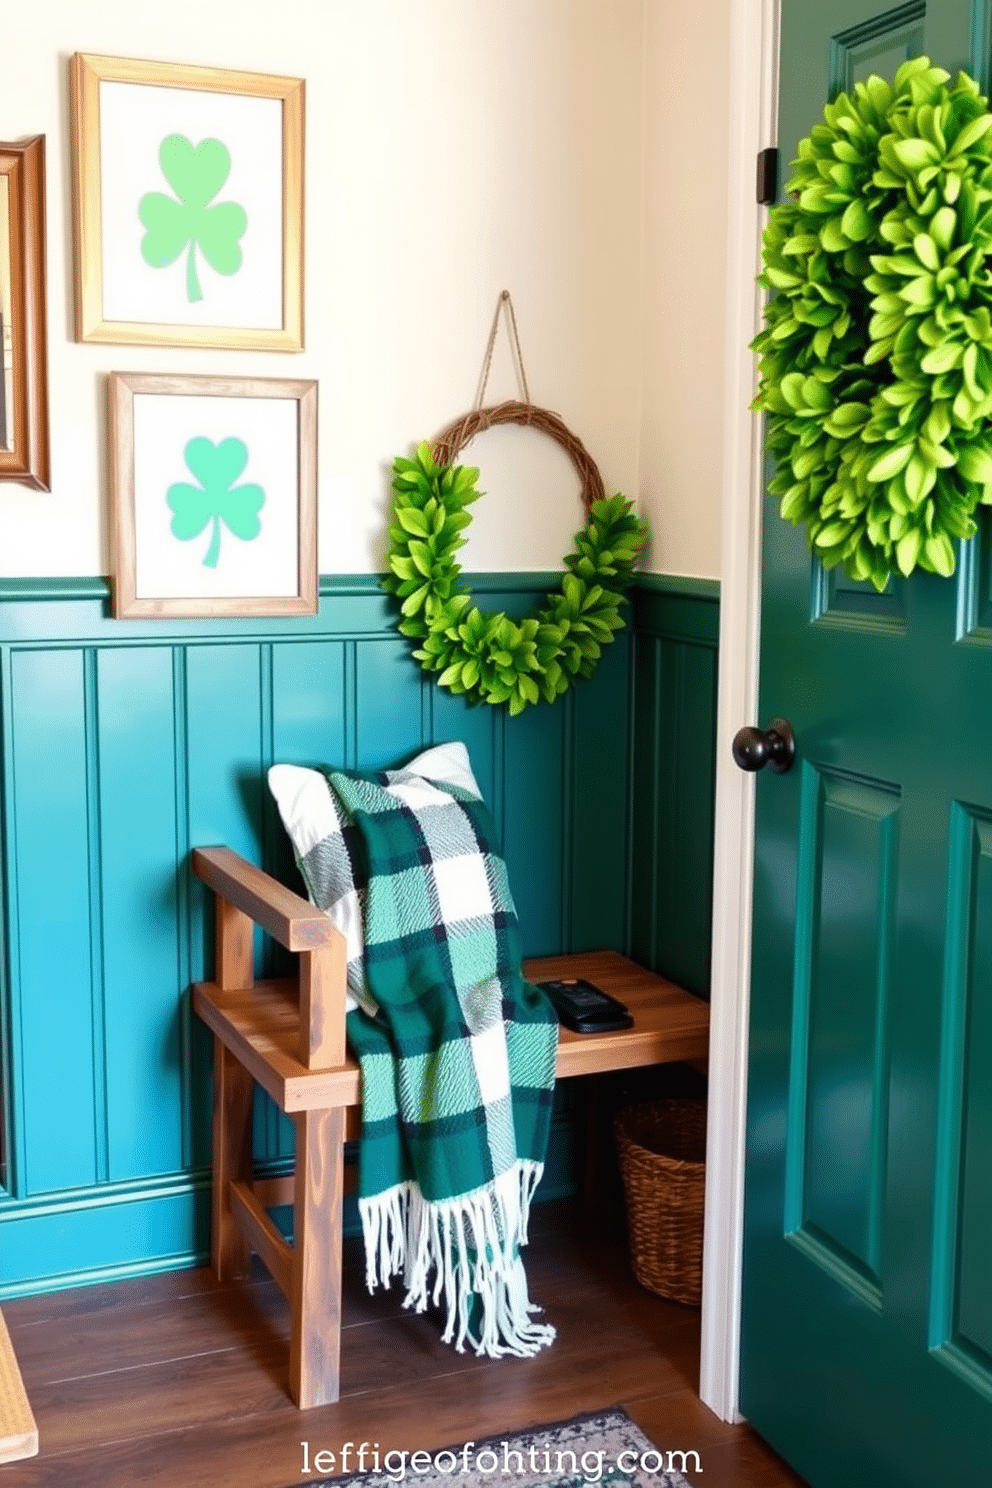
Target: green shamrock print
(216,467)
(195,175)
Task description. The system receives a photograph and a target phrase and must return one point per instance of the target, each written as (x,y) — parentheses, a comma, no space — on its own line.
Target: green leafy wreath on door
(876,355)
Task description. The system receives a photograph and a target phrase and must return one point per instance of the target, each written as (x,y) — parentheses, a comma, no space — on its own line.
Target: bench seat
(288,1036)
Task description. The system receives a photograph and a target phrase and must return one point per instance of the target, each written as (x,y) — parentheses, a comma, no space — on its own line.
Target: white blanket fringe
(471,1245)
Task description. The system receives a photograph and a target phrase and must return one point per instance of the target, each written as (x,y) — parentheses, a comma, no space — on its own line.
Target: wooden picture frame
(201,468)
(24,439)
(159,260)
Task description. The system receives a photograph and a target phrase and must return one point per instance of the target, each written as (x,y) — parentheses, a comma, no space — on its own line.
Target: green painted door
(867,1329)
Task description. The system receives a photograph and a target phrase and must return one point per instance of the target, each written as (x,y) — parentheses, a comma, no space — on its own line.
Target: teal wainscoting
(676,627)
(127,743)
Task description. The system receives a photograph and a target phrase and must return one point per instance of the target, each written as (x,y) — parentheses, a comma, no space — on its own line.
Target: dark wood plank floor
(175,1380)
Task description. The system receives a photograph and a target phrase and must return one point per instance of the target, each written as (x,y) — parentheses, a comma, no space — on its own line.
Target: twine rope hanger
(461,431)
(505,300)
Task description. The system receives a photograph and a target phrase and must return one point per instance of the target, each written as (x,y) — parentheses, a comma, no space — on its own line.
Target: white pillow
(324,839)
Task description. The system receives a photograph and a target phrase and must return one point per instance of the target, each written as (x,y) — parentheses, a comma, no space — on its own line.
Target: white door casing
(754,49)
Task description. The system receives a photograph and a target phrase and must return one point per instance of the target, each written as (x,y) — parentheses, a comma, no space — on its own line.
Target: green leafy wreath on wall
(487,656)
(876,356)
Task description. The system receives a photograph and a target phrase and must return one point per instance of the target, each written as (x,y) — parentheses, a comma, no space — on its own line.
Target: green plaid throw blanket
(457,1065)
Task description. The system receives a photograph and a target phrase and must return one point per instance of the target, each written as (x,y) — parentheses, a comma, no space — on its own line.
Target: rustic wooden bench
(289,1036)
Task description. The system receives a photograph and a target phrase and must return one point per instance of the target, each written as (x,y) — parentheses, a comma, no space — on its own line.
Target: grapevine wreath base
(484,655)
(876,356)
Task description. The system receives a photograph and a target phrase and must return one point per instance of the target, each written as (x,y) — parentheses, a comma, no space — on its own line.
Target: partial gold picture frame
(87,72)
(25,455)
(122,388)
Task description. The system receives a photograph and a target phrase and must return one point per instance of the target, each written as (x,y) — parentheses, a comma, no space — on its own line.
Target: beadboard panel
(389,707)
(136,942)
(55,1020)
(599,808)
(127,743)
(676,634)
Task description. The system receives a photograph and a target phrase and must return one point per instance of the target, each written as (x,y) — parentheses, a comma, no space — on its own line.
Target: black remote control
(585,1008)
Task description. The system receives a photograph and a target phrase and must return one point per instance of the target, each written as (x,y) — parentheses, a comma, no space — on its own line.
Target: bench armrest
(245,896)
(288,918)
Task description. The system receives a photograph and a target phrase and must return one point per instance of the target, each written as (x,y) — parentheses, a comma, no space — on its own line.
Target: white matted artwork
(213,491)
(189,191)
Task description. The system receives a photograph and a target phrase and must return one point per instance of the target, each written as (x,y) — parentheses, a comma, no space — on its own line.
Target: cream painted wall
(454,148)
(687,78)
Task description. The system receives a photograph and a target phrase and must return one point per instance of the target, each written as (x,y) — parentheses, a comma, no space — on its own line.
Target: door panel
(867,1325)
(962,1277)
(838,1081)
(975,585)
(838,600)
(879,45)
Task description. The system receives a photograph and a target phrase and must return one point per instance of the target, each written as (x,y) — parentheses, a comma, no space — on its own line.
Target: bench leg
(229,1251)
(315,1346)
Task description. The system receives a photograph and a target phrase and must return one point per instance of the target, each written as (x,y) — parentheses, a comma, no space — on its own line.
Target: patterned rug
(605,1448)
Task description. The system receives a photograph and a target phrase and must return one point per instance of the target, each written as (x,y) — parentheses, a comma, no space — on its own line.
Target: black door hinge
(767,176)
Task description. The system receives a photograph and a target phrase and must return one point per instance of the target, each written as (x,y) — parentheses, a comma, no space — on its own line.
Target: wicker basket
(662,1151)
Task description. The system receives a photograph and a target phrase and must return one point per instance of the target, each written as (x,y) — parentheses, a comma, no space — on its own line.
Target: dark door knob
(754,748)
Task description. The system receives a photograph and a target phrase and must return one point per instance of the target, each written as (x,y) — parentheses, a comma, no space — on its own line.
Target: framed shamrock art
(189,205)
(213,485)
